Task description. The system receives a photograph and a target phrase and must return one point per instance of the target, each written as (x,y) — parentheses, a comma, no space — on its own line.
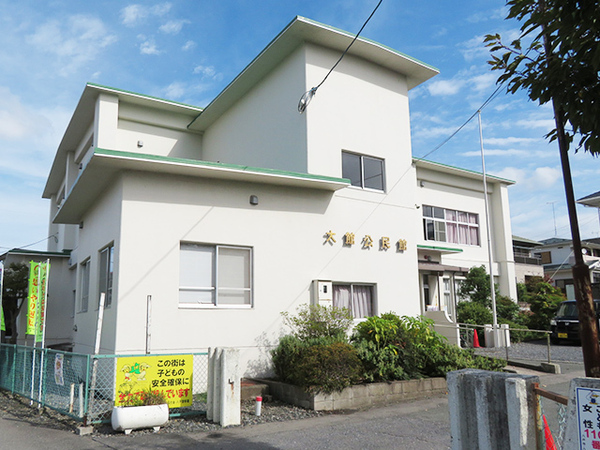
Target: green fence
(78,385)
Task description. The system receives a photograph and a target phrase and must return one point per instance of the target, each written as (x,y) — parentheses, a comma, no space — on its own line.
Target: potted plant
(149,409)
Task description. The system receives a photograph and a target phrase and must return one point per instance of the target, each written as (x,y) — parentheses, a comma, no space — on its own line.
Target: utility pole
(554,217)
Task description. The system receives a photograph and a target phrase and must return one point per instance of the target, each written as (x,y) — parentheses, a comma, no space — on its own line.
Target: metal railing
(63,381)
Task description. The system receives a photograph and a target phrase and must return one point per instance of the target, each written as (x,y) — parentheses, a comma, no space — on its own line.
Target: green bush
(383,364)
(544,300)
(506,308)
(320,364)
(315,321)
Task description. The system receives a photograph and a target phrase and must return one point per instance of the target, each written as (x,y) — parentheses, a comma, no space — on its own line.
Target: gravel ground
(273,411)
(536,351)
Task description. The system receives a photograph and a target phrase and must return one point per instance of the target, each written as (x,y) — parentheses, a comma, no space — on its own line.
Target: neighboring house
(222,218)
(527,265)
(61,298)
(556,255)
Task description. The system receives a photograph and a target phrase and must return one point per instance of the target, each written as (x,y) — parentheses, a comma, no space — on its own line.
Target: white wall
(361,108)
(264,128)
(101,226)
(286,231)
(463,194)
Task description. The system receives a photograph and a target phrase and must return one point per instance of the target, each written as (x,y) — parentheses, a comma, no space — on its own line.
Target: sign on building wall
(171,375)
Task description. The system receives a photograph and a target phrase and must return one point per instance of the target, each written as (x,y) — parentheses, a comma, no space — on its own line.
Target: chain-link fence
(83,386)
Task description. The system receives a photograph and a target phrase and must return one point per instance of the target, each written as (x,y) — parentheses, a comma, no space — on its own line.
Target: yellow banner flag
(33,297)
(172,375)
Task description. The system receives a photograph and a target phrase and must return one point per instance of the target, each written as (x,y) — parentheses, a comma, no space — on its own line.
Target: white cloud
(496,152)
(75,41)
(133,14)
(189,45)
(17,121)
(445,87)
(175,90)
(511,140)
(484,16)
(544,177)
(545,124)
(474,48)
(208,72)
(149,48)
(173,26)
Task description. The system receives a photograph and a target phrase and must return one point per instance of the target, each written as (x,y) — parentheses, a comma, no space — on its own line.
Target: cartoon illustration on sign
(137,370)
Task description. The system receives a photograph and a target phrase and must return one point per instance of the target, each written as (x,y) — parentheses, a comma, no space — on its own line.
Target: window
(84,286)
(363,171)
(215,275)
(355,297)
(105,281)
(449,225)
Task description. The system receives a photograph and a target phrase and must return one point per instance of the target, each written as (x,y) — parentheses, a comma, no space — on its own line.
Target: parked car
(565,325)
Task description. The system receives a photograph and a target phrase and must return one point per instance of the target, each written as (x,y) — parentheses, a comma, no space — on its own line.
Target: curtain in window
(452,230)
(341,296)
(361,302)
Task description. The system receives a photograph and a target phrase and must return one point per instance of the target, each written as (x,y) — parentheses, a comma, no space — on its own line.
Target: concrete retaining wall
(358,396)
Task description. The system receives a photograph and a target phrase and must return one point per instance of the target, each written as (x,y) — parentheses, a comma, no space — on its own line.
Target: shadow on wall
(262,366)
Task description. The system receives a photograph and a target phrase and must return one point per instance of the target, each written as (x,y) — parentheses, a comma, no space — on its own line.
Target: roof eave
(297,32)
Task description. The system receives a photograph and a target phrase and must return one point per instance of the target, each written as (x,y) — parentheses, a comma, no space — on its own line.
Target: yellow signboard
(171,375)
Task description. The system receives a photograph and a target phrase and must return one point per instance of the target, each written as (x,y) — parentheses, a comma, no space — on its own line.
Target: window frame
(361,159)
(436,221)
(215,289)
(371,286)
(108,282)
(84,286)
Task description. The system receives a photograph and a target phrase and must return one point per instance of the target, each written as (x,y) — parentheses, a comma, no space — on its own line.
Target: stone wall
(359,396)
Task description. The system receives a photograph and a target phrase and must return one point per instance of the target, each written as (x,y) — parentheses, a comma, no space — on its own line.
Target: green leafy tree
(476,287)
(14,296)
(543,301)
(560,62)
(561,65)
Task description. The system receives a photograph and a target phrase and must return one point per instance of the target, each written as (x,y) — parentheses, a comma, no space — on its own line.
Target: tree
(14,295)
(560,65)
(476,286)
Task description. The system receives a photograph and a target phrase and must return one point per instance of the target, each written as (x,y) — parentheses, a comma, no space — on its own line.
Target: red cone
(475,339)
(550,445)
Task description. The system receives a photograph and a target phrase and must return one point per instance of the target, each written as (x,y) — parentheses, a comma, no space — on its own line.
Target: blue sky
(188,51)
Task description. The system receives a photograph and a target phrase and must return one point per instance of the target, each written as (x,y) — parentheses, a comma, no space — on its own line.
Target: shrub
(382,364)
(506,308)
(327,367)
(315,321)
(320,364)
(476,286)
(543,301)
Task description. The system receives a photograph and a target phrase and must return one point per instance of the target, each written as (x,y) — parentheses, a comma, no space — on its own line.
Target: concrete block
(410,387)
(360,391)
(550,367)
(84,431)
(376,390)
(230,388)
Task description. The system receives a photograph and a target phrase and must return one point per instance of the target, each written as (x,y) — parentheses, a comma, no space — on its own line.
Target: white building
(556,255)
(229,215)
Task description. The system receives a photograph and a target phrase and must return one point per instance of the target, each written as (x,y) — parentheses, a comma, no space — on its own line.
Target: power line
(29,245)
(308,95)
(445,141)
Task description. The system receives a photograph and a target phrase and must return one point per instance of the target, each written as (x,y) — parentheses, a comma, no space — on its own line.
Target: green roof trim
(22,251)
(506,180)
(371,41)
(137,94)
(197,163)
(435,247)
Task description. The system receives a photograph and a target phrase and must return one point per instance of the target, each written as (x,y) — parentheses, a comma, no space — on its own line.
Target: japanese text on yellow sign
(171,375)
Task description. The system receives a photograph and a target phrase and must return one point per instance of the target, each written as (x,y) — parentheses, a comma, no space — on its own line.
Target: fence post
(14,369)
(87,390)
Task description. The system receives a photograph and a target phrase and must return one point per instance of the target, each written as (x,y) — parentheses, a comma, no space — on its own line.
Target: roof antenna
(308,95)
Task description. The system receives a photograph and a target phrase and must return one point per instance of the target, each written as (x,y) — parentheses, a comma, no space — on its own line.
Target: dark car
(565,325)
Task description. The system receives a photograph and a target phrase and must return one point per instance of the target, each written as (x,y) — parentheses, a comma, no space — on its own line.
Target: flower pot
(127,418)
